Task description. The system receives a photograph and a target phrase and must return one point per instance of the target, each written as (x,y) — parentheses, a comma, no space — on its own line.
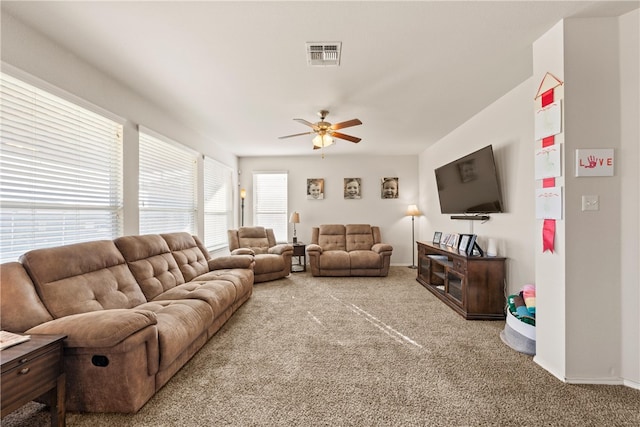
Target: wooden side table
(32,369)
(299,250)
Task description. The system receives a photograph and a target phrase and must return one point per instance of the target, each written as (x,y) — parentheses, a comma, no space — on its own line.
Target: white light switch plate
(590,203)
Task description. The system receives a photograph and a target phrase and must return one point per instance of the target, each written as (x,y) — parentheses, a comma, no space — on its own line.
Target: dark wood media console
(474,286)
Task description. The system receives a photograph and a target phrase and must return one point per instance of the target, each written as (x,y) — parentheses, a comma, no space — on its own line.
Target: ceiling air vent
(322,54)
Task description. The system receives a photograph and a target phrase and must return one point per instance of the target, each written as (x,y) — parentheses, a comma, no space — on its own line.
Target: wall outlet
(590,203)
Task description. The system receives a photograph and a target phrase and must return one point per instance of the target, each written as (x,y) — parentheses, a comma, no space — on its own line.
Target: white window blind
(167,186)
(60,171)
(270,202)
(218,203)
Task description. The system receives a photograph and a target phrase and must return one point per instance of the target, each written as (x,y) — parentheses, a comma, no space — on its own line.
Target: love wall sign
(594,162)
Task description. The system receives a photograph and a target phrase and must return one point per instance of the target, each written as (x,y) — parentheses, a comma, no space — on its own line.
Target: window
(218,203)
(270,202)
(60,171)
(167,186)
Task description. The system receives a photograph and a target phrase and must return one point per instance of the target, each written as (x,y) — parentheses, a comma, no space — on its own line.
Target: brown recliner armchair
(273,260)
(348,250)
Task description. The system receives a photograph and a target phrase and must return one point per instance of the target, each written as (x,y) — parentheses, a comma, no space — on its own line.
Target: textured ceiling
(237,73)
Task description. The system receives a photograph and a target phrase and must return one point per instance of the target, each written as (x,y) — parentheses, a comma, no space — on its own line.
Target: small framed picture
(445,239)
(453,242)
(472,245)
(389,188)
(464,243)
(352,188)
(315,188)
(436,237)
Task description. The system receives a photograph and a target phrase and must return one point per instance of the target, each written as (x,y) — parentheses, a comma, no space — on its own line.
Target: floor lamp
(243,194)
(413,212)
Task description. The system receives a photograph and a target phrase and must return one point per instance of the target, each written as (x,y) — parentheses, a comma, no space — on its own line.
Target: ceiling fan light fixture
(322,140)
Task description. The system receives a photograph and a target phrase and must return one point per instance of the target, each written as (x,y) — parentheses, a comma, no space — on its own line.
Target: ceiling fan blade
(348,123)
(347,137)
(308,123)
(297,134)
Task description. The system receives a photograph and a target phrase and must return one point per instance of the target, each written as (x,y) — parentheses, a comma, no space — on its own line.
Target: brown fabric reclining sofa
(134,310)
(348,250)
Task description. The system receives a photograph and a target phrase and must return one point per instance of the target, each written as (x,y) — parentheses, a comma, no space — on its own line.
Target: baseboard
(598,381)
(632,384)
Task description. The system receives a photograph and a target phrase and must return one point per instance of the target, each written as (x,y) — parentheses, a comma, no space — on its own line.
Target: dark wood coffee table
(32,369)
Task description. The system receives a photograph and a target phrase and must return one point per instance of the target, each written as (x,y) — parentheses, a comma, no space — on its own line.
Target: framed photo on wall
(352,188)
(315,188)
(389,188)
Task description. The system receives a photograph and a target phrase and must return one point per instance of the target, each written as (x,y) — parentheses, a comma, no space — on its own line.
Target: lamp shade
(243,193)
(295,218)
(413,210)
(322,140)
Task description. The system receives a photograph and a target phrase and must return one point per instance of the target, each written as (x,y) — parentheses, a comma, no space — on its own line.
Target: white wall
(508,126)
(389,214)
(548,56)
(593,238)
(628,161)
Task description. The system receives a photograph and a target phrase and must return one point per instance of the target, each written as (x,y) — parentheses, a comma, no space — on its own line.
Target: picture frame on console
(436,237)
(463,246)
(473,245)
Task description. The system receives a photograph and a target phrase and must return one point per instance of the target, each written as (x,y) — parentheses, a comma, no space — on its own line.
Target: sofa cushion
(82,277)
(20,307)
(254,238)
(242,279)
(219,294)
(364,260)
(180,323)
(332,237)
(335,260)
(188,255)
(151,263)
(359,237)
(268,263)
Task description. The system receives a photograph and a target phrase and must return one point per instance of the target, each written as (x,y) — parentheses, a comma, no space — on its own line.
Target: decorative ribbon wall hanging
(546,92)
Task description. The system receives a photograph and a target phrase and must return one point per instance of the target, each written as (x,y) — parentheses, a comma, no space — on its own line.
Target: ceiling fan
(325,131)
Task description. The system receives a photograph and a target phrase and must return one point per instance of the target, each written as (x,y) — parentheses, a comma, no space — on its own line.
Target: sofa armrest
(382,247)
(280,249)
(314,248)
(232,261)
(102,328)
(243,251)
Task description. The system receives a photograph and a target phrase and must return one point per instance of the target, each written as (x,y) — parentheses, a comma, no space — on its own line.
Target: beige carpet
(307,351)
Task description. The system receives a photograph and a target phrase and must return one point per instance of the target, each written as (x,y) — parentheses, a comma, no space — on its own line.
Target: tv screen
(470,184)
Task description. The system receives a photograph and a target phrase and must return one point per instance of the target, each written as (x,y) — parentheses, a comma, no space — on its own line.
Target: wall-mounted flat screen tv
(470,184)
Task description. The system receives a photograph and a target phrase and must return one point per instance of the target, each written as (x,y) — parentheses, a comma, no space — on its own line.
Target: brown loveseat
(348,250)
(134,310)
(273,260)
